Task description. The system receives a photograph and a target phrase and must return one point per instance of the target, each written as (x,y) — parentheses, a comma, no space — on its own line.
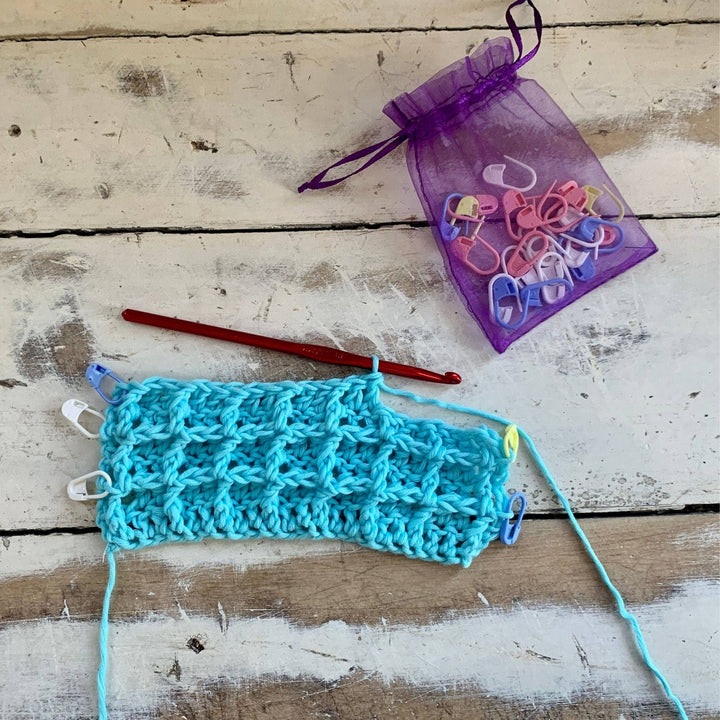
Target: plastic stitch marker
(618,202)
(461,247)
(95,374)
(487,204)
(587,228)
(530,294)
(77,488)
(592,195)
(448,230)
(511,441)
(467,207)
(551,266)
(500,288)
(518,264)
(494,175)
(576,197)
(73,409)
(509,533)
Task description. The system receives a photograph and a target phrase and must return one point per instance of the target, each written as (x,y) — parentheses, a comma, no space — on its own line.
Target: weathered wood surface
(208,132)
(217,132)
(619,389)
(93,18)
(324,629)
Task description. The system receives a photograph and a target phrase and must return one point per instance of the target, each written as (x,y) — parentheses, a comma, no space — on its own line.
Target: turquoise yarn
(199,459)
(619,601)
(104,622)
(319,459)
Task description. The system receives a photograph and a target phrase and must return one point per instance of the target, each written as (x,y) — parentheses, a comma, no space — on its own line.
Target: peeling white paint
(137,17)
(527,655)
(627,445)
(35,556)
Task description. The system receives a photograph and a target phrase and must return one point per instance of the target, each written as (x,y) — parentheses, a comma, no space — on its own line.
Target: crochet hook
(320,353)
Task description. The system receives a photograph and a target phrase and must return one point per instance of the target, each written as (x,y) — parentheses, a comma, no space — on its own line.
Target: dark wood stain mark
(605,342)
(195,644)
(620,134)
(325,655)
(290,61)
(58,194)
(10,383)
(141,82)
(175,670)
(536,655)
(212,182)
(360,586)
(420,280)
(56,265)
(357,694)
(13,257)
(204,145)
(324,274)
(103,190)
(582,655)
(14,131)
(64,350)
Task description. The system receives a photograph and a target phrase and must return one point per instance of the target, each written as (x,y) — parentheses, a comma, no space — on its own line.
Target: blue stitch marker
(95,374)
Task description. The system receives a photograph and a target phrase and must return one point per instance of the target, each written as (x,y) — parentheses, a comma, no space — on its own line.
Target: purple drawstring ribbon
(498,78)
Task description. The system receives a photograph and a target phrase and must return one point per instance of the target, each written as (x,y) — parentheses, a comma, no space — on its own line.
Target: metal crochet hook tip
(320,353)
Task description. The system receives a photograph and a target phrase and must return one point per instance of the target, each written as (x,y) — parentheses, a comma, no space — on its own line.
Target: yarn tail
(102,669)
(622,610)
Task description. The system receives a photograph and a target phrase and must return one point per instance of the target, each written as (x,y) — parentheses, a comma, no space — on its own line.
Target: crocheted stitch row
(192,460)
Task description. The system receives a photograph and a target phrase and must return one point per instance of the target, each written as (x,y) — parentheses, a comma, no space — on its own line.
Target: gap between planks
(697,509)
(285,227)
(80,36)
(254,607)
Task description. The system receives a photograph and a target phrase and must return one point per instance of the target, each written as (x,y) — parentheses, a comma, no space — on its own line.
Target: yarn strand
(620,602)
(102,669)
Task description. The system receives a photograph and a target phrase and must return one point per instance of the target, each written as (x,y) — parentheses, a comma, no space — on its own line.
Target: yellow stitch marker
(468,206)
(511,441)
(593,194)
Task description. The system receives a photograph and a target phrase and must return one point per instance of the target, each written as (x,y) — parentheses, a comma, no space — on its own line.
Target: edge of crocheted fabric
(393,538)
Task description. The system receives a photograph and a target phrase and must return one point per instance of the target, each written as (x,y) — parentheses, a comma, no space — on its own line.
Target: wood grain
(249,631)
(340,581)
(218,132)
(620,426)
(211,126)
(93,18)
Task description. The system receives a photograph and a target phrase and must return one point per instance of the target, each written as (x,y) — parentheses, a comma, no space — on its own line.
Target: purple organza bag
(525,216)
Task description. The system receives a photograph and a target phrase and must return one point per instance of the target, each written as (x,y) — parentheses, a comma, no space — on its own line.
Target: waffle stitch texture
(320,459)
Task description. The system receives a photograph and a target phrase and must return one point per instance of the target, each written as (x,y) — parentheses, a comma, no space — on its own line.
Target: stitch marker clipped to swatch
(321,353)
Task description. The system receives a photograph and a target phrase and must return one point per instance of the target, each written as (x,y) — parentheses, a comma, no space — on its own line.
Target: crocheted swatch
(320,459)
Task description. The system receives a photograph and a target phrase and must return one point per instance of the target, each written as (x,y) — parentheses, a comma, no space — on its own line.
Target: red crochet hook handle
(320,353)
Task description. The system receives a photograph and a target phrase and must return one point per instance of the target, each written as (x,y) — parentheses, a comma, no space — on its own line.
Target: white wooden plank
(218,132)
(570,655)
(619,390)
(93,18)
(151,661)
